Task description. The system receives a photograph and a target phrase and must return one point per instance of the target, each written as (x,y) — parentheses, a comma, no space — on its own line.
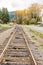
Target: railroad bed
(4,29)
(17,52)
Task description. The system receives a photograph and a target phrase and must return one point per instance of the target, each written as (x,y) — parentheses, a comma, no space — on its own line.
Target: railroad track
(16,51)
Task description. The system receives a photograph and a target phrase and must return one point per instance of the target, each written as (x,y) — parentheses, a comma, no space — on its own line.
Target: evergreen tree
(0,14)
(5,15)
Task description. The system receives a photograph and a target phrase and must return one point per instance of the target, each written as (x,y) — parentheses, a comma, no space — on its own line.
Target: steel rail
(34,61)
(24,36)
(2,54)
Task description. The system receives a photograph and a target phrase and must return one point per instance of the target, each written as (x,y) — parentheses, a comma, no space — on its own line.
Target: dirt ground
(4,35)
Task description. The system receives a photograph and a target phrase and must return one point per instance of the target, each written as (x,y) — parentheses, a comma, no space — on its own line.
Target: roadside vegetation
(29,16)
(37,33)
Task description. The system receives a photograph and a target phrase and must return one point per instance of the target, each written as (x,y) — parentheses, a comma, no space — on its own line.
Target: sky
(13,5)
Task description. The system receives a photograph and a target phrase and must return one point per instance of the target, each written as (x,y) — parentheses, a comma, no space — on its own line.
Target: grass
(4,26)
(34,38)
(28,29)
(41,44)
(33,42)
(38,33)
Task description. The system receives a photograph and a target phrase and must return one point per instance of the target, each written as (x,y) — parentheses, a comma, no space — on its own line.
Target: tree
(5,15)
(0,14)
(19,15)
(29,16)
(34,12)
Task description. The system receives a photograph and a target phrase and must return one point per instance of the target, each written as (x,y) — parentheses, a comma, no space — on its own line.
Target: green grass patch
(33,42)
(34,38)
(4,26)
(41,44)
(38,33)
